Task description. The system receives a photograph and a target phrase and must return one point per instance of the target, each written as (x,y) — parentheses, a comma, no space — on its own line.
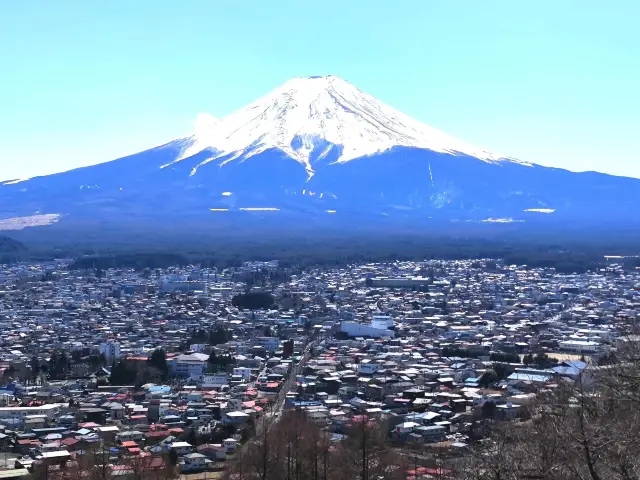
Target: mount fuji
(319,146)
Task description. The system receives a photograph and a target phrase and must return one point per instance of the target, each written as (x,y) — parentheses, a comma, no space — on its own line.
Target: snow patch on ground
(20,223)
(259,209)
(540,210)
(13,182)
(501,220)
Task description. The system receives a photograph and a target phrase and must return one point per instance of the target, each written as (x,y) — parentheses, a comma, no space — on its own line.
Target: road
(273,416)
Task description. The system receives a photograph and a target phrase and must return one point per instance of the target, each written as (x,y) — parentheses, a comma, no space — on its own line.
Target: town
(160,373)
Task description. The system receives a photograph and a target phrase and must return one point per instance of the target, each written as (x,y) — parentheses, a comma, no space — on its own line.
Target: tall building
(111,351)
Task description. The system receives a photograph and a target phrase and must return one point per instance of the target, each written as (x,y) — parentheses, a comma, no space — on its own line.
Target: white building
(270,344)
(50,411)
(380,326)
(189,365)
(181,283)
(244,372)
(580,346)
(211,380)
(369,368)
(398,282)
(111,351)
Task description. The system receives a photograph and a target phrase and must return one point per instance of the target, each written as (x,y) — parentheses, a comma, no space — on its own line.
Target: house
(368,368)
(402,430)
(508,411)
(108,433)
(244,372)
(230,444)
(213,451)
(131,435)
(194,462)
(181,448)
(270,344)
(55,457)
(235,418)
(432,433)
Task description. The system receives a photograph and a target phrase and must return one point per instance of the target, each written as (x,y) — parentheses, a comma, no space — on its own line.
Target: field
(565,357)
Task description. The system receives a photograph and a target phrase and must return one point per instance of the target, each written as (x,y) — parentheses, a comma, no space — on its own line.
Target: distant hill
(11,250)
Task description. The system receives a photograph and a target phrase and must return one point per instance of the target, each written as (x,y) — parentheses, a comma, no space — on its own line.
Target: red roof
(88,425)
(28,442)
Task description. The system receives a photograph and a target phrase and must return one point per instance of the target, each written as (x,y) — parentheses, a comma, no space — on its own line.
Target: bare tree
(583,430)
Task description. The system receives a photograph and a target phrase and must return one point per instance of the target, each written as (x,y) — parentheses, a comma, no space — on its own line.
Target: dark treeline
(568,260)
(567,251)
(138,261)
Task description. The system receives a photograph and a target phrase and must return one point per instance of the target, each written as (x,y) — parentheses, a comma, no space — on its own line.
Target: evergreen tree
(219,336)
(35,367)
(488,378)
(59,364)
(158,360)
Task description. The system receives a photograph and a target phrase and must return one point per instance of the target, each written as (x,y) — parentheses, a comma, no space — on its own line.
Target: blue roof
(160,388)
(528,377)
(580,365)
(310,403)
(566,371)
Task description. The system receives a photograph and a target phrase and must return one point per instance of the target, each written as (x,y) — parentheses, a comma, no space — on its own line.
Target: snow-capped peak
(308,111)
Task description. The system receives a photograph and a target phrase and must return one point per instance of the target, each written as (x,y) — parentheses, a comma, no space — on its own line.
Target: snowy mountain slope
(312,146)
(306,112)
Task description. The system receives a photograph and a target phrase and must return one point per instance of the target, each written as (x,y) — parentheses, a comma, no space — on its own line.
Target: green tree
(123,373)
(503,370)
(59,364)
(488,410)
(542,360)
(35,367)
(219,336)
(253,301)
(158,360)
(488,378)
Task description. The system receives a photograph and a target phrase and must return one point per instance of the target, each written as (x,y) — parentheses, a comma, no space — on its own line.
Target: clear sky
(555,82)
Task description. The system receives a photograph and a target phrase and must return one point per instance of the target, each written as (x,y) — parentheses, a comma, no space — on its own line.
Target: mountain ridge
(294,116)
(317,146)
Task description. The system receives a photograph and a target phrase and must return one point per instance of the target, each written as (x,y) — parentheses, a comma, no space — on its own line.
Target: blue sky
(552,81)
